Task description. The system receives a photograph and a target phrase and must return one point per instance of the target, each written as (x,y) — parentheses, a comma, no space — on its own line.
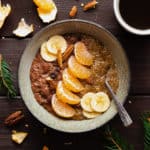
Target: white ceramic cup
(124,24)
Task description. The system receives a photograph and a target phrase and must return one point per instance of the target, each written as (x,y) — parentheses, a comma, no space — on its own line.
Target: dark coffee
(136,13)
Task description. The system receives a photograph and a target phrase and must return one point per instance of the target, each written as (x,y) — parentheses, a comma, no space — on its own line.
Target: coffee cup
(124,24)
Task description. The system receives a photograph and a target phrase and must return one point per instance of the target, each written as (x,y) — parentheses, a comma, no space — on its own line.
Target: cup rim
(124,24)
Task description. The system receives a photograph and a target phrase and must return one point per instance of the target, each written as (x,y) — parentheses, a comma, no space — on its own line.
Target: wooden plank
(137,50)
(102,14)
(57,140)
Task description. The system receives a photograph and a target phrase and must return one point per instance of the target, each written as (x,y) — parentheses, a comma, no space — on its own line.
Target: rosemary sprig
(6,78)
(146,125)
(113,141)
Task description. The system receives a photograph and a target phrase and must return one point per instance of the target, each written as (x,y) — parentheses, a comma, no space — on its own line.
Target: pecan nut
(14,118)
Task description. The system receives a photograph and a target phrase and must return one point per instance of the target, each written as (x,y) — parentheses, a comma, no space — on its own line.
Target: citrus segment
(77,69)
(82,55)
(65,95)
(71,82)
(62,109)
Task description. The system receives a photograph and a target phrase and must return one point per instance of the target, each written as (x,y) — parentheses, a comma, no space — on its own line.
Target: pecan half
(14,118)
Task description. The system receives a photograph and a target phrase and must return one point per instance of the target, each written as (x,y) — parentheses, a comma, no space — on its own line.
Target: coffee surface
(136,13)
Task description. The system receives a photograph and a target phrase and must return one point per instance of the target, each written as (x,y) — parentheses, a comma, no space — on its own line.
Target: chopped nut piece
(90,5)
(73,11)
(14,118)
(4,12)
(68,52)
(59,58)
(19,137)
(45,148)
(82,4)
(23,29)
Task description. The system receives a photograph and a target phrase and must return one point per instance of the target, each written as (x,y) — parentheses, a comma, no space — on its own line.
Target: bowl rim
(124,24)
(112,36)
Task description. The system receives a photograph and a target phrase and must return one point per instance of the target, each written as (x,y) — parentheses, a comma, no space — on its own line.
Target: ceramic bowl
(124,24)
(72,26)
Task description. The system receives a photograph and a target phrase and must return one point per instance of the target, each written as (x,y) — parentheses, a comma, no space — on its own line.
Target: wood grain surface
(137,49)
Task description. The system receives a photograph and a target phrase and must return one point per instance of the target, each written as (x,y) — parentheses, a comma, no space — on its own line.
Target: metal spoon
(126,119)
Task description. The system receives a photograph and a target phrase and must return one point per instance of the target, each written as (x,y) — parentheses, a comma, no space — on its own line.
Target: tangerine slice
(77,69)
(45,5)
(65,95)
(71,83)
(82,55)
(62,109)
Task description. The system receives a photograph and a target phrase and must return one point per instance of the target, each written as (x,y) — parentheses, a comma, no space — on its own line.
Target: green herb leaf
(146,125)
(6,78)
(113,141)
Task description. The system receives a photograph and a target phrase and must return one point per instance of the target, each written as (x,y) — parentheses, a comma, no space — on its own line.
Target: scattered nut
(18,137)
(73,11)
(45,148)
(14,118)
(90,5)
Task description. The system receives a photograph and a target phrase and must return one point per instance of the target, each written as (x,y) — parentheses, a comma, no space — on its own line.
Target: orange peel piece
(45,5)
(4,12)
(47,15)
(23,29)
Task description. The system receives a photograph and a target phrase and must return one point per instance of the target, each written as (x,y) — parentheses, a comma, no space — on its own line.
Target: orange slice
(82,55)
(77,69)
(62,109)
(45,5)
(65,95)
(71,82)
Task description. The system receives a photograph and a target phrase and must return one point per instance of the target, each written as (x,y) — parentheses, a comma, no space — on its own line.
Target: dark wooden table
(138,52)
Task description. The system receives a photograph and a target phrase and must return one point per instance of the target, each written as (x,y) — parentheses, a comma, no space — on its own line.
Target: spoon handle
(126,119)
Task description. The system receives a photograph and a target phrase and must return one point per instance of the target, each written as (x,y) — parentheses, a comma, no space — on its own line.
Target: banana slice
(4,12)
(86,101)
(62,109)
(65,95)
(23,29)
(101,102)
(45,54)
(90,115)
(55,43)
